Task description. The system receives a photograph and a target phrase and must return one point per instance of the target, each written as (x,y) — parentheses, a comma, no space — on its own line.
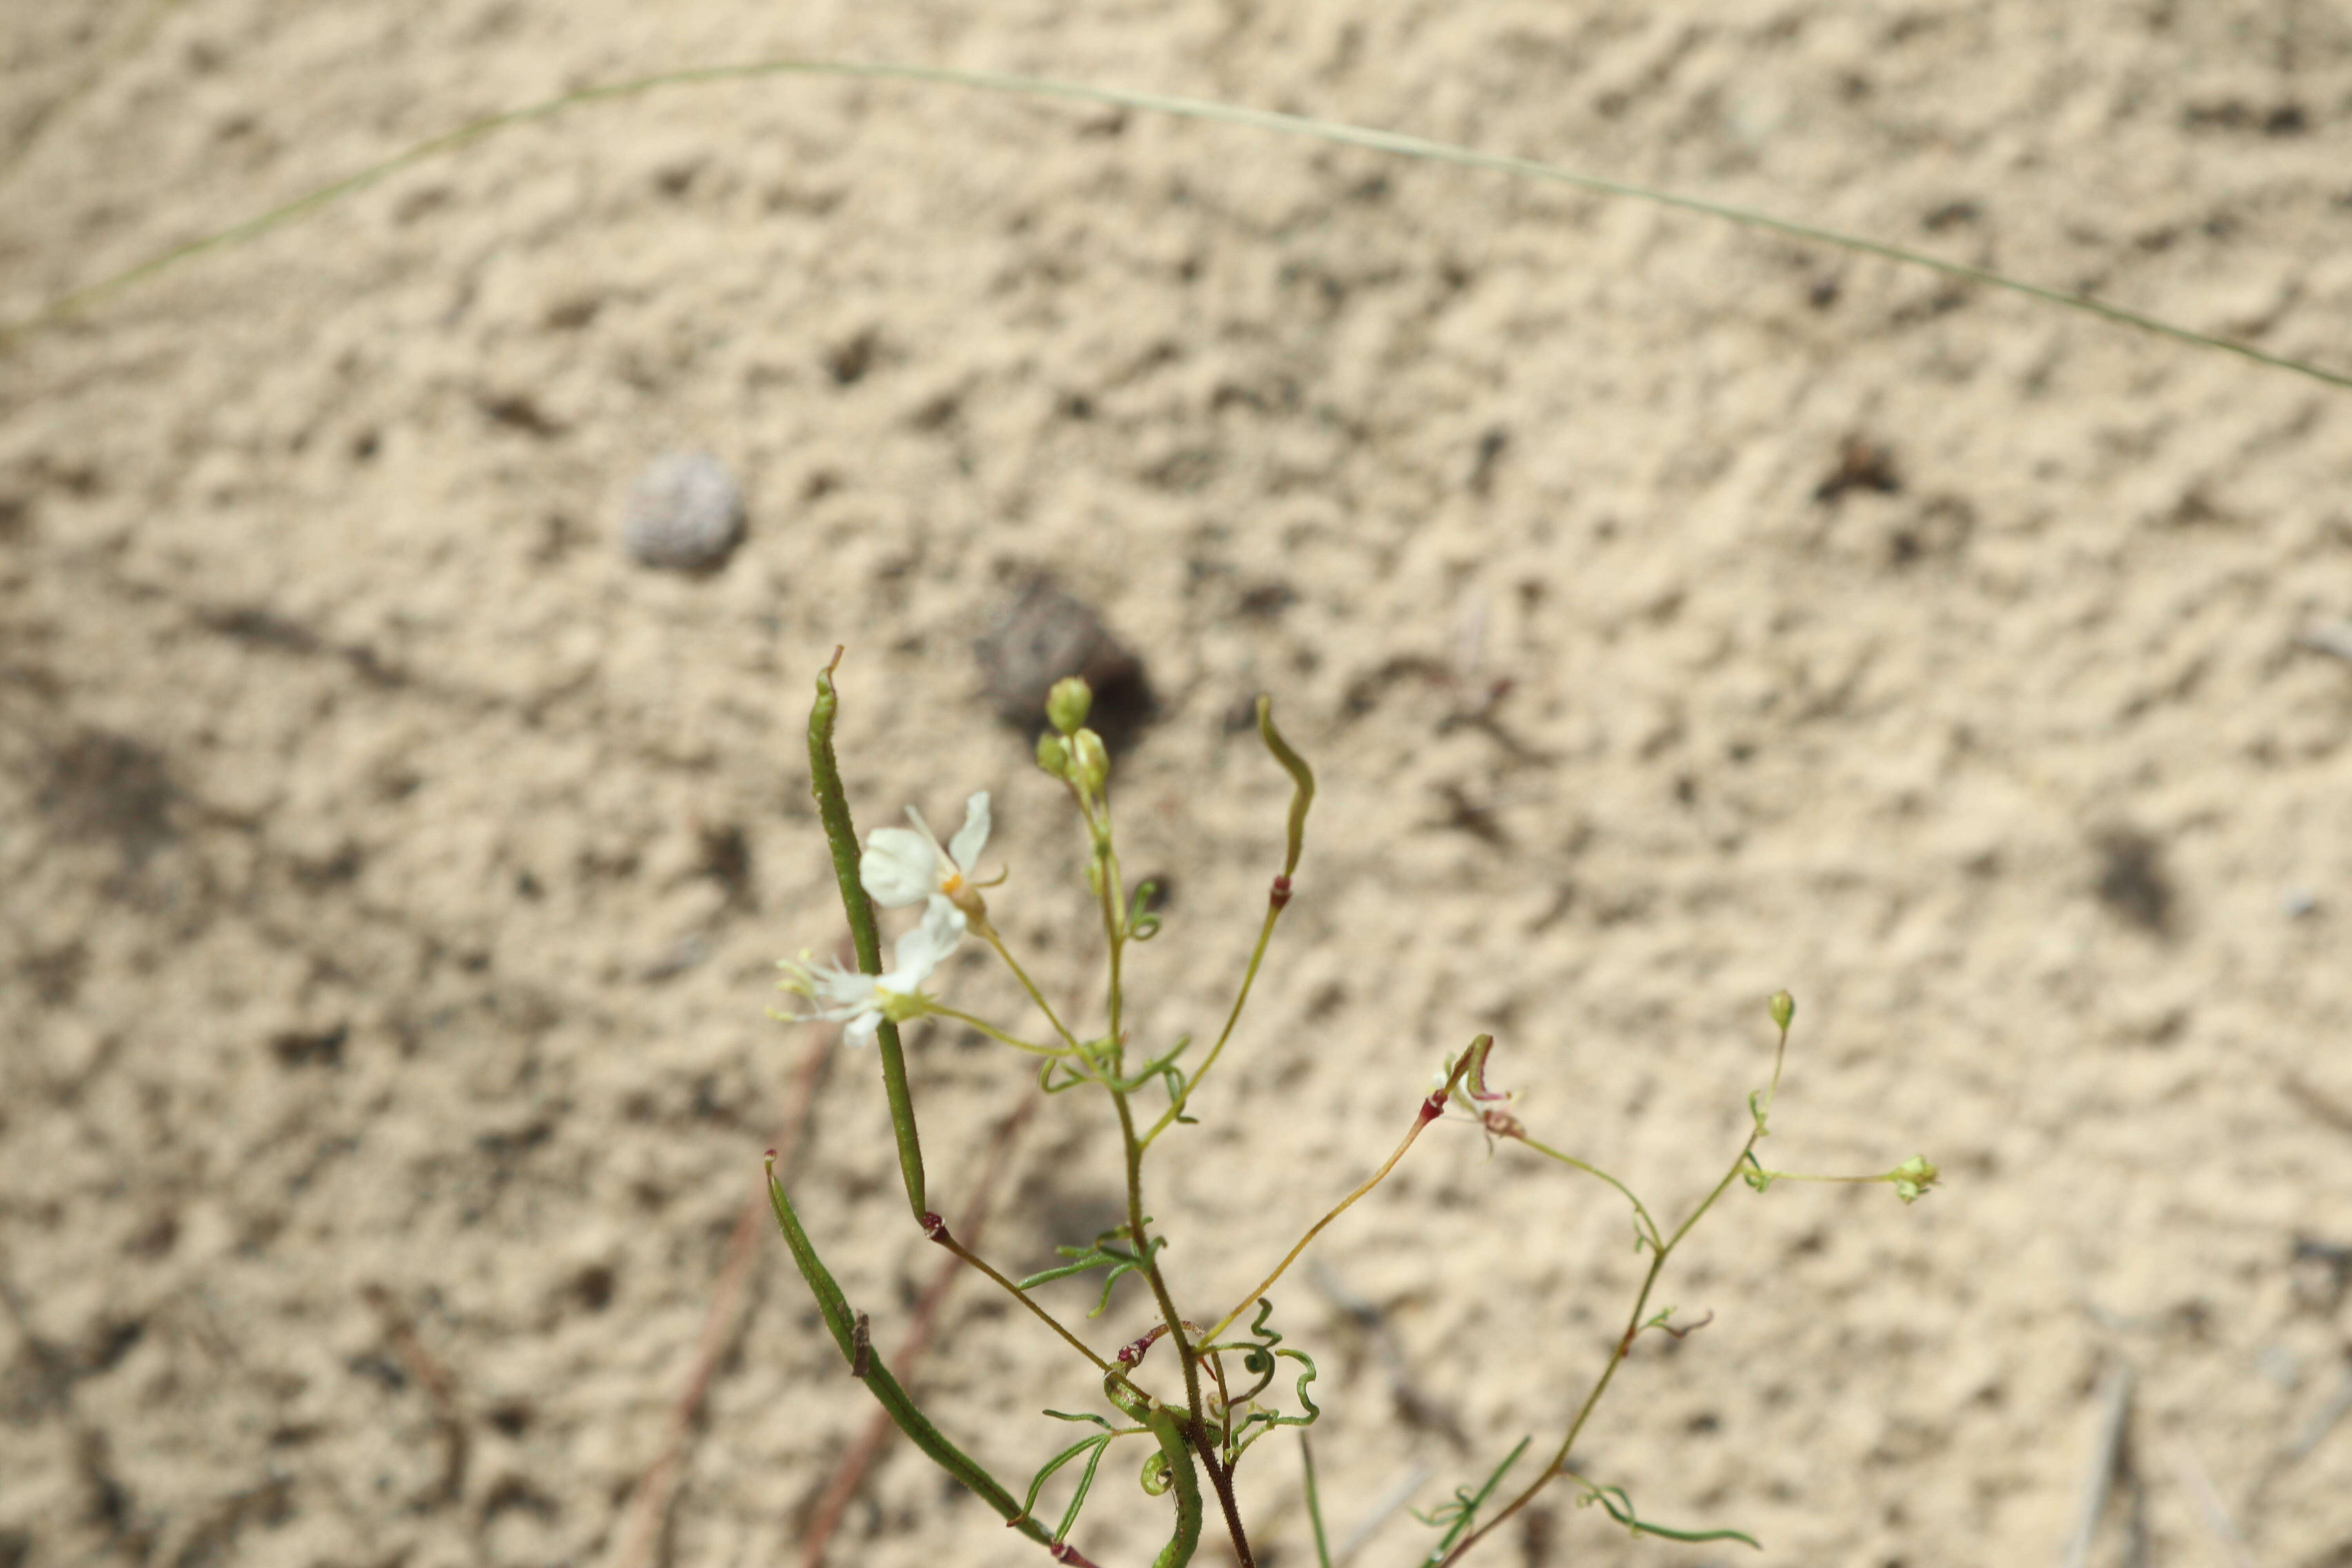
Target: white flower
(903,866)
(859,1003)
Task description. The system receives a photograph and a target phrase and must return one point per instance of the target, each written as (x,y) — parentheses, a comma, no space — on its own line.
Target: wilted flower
(859,1003)
(903,866)
(1471,1098)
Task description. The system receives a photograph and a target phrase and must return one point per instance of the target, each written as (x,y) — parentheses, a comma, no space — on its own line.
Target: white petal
(965,848)
(859,1030)
(900,867)
(922,949)
(838,989)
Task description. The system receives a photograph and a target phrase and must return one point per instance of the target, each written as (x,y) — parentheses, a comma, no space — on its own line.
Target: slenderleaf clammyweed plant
(1234,1393)
(1233,1382)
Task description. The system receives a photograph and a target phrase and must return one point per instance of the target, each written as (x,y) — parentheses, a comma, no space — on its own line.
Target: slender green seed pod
(885,1389)
(841,835)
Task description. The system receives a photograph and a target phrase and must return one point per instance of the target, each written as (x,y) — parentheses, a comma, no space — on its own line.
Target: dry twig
(2107,1463)
(649,1502)
(2191,1479)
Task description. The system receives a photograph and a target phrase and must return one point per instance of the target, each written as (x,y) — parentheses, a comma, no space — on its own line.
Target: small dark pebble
(1862,465)
(2133,882)
(1042,635)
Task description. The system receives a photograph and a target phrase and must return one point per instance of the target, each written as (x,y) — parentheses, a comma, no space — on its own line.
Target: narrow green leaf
(1621,1508)
(1086,1485)
(1037,1483)
(1457,1515)
(1314,1504)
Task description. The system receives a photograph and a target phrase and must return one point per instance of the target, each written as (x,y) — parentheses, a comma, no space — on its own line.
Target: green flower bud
(1784,1008)
(1914,1177)
(1067,704)
(1054,755)
(1089,760)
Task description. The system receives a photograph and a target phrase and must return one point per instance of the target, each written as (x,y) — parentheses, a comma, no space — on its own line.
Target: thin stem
(1216,1365)
(1221,1478)
(1316,1229)
(1658,1256)
(1780,1058)
(1144,1250)
(1647,1223)
(1388,142)
(1557,1467)
(1197,1431)
(1249,978)
(1114,931)
(1018,1294)
(999,1035)
(989,934)
(1802,1176)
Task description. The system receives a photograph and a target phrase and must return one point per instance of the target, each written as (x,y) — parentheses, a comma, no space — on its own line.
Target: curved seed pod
(1302,781)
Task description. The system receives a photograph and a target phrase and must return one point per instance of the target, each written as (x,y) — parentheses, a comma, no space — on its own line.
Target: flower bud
(1784,1008)
(1914,1176)
(1067,703)
(1090,762)
(1054,755)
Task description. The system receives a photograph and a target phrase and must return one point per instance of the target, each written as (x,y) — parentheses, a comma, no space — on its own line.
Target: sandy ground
(392,871)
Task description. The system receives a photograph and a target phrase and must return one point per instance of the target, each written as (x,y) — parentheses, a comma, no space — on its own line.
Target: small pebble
(684,514)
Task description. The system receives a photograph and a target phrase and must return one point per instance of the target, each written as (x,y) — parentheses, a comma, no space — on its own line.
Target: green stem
(989,934)
(999,1035)
(1802,1176)
(1649,1224)
(1302,796)
(1249,978)
(1557,1466)
(1114,930)
(1018,1294)
(841,836)
(1187,1357)
(1144,1250)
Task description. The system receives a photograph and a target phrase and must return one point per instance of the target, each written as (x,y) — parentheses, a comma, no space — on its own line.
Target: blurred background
(407,624)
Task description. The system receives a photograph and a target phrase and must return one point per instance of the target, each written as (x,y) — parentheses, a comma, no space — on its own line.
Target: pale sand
(355,780)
